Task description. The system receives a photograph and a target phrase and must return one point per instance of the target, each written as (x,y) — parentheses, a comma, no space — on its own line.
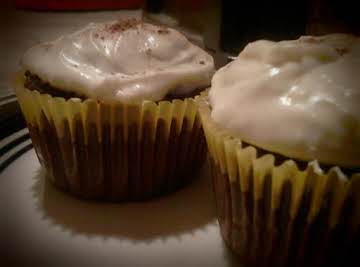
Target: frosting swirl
(298,98)
(125,60)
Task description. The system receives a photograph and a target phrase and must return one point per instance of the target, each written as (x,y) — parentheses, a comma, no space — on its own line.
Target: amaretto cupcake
(110,109)
(282,123)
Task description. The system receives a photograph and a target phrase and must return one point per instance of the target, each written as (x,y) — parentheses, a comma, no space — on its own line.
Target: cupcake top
(298,98)
(125,60)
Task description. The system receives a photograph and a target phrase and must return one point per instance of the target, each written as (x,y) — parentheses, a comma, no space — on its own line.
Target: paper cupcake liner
(280,215)
(114,151)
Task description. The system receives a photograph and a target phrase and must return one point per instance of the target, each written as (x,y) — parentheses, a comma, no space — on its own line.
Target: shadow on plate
(184,211)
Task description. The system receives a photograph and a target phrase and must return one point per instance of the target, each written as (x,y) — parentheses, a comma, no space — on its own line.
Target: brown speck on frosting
(202,62)
(342,50)
(163,30)
(96,35)
(311,40)
(47,46)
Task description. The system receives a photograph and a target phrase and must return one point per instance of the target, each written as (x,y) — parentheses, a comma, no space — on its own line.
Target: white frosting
(123,61)
(299,98)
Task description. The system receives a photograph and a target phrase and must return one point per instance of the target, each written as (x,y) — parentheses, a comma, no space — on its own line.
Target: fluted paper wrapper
(280,215)
(114,151)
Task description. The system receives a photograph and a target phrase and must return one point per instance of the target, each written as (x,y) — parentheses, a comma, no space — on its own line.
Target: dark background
(247,21)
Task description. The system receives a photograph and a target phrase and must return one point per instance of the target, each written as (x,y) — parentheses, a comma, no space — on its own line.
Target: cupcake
(110,109)
(282,123)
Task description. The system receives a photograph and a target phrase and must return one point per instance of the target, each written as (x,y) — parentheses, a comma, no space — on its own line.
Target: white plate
(43,226)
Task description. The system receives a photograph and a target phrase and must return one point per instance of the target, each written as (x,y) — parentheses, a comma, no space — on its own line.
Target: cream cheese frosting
(299,98)
(125,60)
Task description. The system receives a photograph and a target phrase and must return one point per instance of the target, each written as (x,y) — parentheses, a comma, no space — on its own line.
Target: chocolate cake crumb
(202,62)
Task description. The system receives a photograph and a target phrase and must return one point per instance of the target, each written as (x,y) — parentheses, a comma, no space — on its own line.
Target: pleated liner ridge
(114,151)
(280,215)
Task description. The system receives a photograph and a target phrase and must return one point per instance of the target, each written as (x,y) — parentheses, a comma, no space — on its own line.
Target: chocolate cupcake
(282,123)
(110,109)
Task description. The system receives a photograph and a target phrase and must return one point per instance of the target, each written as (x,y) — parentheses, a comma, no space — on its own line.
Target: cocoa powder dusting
(122,25)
